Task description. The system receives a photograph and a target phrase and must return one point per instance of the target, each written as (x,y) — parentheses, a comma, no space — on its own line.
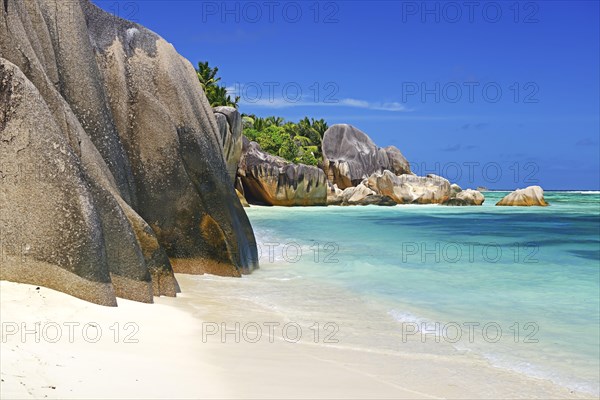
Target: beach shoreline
(174,356)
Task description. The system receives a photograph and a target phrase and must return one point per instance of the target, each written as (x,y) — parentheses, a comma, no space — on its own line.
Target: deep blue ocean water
(527,276)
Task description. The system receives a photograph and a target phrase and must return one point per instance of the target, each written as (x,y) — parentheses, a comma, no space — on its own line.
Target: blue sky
(497,94)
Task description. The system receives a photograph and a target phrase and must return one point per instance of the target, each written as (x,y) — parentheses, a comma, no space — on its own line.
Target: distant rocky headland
(354,171)
(116,171)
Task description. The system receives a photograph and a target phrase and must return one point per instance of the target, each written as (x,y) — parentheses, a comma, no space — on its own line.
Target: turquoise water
(531,272)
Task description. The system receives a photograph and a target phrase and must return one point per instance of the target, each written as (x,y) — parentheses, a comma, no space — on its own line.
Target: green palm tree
(216,95)
(259,124)
(320,126)
(302,140)
(275,121)
(207,75)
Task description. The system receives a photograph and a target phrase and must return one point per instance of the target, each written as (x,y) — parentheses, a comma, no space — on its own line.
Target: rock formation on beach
(468,197)
(454,189)
(396,161)
(114,167)
(271,180)
(357,172)
(530,196)
(334,195)
(410,189)
(472,197)
(349,156)
(229,122)
(453,201)
(351,163)
(362,195)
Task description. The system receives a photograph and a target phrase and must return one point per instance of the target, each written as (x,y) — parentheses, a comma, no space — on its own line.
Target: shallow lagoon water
(518,286)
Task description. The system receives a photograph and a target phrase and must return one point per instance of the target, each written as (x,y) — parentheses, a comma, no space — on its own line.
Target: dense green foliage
(217,95)
(296,142)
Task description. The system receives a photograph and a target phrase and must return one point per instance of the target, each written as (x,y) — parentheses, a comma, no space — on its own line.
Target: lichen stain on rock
(212,233)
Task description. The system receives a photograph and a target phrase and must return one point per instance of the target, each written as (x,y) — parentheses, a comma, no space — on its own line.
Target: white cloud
(354,103)
(266,99)
(347,102)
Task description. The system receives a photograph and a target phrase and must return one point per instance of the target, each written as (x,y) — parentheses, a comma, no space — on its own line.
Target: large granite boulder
(239,190)
(274,181)
(456,202)
(334,195)
(229,122)
(466,197)
(242,199)
(349,156)
(454,190)
(397,163)
(112,172)
(361,195)
(410,189)
(471,197)
(530,196)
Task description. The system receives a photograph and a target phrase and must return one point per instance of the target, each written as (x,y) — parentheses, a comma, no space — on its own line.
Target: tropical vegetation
(216,94)
(296,142)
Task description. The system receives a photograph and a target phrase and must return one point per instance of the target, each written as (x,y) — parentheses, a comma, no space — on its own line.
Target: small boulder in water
(410,189)
(454,190)
(530,196)
(361,195)
(456,202)
(472,197)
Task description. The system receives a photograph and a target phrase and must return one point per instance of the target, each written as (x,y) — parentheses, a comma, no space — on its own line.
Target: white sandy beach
(170,359)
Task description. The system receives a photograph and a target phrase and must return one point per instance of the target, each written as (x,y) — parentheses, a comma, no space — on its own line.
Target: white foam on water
(405,316)
(536,371)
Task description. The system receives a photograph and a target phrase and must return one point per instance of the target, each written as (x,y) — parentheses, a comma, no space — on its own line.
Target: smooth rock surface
(361,195)
(454,190)
(229,122)
(397,163)
(125,178)
(242,198)
(530,196)
(472,197)
(274,181)
(349,156)
(455,202)
(410,189)
(334,195)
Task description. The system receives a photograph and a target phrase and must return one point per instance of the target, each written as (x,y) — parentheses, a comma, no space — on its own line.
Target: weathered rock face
(454,190)
(351,156)
(530,196)
(361,195)
(471,197)
(467,197)
(410,189)
(397,162)
(456,202)
(229,122)
(242,199)
(111,167)
(334,195)
(271,180)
